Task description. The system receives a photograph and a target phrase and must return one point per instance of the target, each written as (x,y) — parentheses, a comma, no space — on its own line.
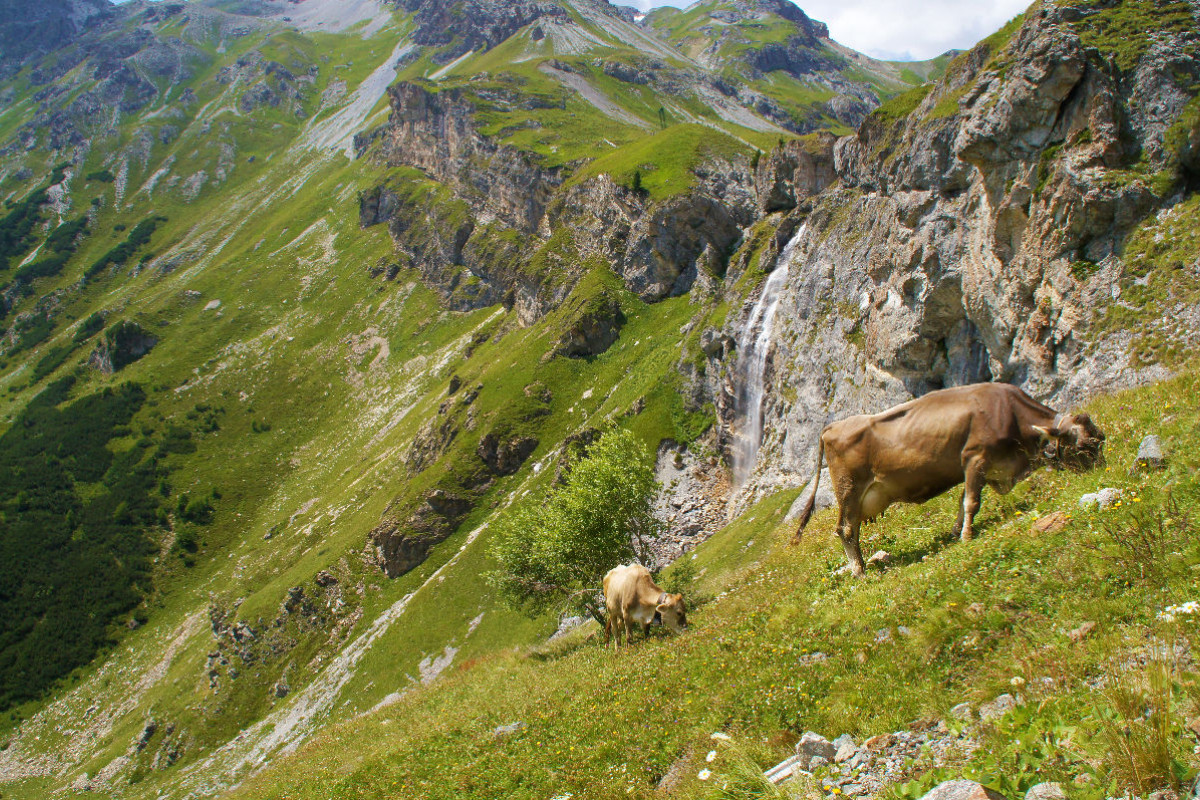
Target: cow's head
(1073,441)
(672,612)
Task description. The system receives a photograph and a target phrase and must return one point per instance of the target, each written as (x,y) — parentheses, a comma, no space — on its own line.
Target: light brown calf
(632,597)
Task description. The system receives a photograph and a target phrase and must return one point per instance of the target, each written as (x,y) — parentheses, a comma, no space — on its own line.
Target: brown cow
(631,596)
(989,433)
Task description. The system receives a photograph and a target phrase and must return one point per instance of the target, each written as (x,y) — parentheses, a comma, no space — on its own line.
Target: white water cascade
(750,369)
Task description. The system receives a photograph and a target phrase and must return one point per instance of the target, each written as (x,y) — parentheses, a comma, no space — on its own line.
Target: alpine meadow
(349,347)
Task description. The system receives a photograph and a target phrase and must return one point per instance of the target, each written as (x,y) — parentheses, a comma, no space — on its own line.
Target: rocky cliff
(977,230)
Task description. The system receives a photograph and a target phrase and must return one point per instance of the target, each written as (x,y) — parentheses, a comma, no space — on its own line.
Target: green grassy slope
(604,724)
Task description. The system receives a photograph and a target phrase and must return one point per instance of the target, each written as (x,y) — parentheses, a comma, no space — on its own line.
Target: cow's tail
(807,513)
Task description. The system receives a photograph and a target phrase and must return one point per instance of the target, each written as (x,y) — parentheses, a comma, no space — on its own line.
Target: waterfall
(751,366)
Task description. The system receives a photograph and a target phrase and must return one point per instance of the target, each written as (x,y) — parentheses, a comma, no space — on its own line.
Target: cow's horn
(1043,432)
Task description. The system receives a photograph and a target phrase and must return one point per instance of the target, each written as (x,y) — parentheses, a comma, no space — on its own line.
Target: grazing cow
(989,433)
(631,596)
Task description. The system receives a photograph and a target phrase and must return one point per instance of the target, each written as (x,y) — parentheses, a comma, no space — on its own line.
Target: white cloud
(903,29)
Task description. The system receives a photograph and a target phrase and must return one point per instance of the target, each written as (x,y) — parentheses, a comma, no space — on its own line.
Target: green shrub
(555,550)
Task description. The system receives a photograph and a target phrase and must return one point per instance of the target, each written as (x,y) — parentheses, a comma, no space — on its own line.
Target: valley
(301,301)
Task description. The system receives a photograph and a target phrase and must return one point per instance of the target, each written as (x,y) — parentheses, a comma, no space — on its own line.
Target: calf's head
(672,612)
(1074,441)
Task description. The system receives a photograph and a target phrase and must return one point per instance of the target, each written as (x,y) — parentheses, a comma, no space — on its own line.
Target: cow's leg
(975,469)
(853,550)
(848,525)
(962,505)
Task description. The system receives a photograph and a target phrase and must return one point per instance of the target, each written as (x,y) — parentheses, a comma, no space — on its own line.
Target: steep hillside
(298,299)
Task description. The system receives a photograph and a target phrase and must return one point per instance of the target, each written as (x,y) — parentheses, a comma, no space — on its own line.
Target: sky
(902,30)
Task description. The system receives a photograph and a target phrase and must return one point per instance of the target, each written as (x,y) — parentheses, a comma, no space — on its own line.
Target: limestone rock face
(508,212)
(793,172)
(970,239)
(476,24)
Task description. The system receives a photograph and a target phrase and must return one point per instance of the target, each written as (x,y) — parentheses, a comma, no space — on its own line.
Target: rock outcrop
(400,545)
(973,232)
(122,344)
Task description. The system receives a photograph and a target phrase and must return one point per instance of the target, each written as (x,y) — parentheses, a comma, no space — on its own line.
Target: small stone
(783,770)
(846,748)
(212,305)
(976,609)
(814,744)
(1083,779)
(998,707)
(1082,632)
(903,631)
(509,729)
(1150,454)
(1105,498)
(853,789)
(880,557)
(962,711)
(1046,791)
(961,790)
(816,762)
(1051,523)
(883,635)
(877,744)
(1163,794)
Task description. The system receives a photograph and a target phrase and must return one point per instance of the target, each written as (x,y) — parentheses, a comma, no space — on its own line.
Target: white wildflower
(711,757)
(704,774)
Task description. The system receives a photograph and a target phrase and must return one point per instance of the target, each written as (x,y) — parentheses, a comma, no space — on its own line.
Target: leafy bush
(556,550)
(89,327)
(51,361)
(61,244)
(198,512)
(120,254)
